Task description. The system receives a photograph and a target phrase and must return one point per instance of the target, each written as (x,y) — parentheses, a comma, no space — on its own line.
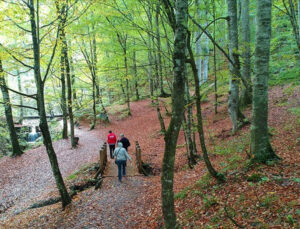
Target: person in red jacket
(111,141)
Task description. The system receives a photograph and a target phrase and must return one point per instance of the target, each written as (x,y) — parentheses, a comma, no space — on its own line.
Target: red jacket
(111,138)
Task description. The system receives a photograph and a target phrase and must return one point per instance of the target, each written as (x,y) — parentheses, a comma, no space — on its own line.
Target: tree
(9,117)
(39,81)
(246,97)
(61,11)
(179,25)
(260,143)
(236,116)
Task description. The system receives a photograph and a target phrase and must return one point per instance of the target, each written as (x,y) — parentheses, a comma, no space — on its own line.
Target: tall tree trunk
(177,113)
(260,143)
(235,114)
(69,83)
(127,82)
(159,52)
(220,177)
(198,45)
(60,8)
(94,68)
(63,95)
(21,110)
(215,60)
(16,150)
(150,57)
(206,60)
(41,107)
(136,88)
(94,120)
(73,78)
(192,154)
(246,97)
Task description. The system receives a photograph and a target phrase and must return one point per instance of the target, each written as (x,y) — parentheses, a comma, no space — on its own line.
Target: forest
(206,91)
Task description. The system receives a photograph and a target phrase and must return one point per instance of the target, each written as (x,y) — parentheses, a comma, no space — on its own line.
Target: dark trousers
(111,150)
(121,168)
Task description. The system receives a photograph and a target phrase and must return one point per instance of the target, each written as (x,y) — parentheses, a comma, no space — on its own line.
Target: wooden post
(138,158)
(105,154)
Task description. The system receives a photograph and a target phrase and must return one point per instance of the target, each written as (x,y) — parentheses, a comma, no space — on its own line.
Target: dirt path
(25,178)
(29,179)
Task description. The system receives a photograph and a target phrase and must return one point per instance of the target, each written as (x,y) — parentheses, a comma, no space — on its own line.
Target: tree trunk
(160,118)
(192,152)
(16,150)
(159,51)
(137,95)
(220,177)
(41,108)
(235,114)
(60,8)
(246,97)
(150,56)
(73,79)
(177,113)
(127,83)
(63,95)
(260,143)
(198,46)
(70,102)
(215,60)
(206,60)
(21,110)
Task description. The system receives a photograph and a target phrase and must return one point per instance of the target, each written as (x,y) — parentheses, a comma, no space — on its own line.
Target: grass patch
(204,182)
(295,111)
(209,201)
(82,170)
(181,195)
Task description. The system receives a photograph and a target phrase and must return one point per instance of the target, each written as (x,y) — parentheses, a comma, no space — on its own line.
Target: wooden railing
(103,158)
(102,161)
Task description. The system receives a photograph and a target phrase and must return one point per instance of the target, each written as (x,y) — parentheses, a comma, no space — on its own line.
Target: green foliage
(181,195)
(296,111)
(204,182)
(209,201)
(285,76)
(255,177)
(4,140)
(55,130)
(268,200)
(290,219)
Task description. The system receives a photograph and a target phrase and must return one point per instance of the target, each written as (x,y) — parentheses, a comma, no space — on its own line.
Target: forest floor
(262,196)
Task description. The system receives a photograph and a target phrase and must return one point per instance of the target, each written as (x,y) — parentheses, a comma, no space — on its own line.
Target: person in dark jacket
(124,141)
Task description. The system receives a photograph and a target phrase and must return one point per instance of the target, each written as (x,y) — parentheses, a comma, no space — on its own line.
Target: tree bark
(159,51)
(246,97)
(220,177)
(70,101)
(235,114)
(21,110)
(16,149)
(137,95)
(198,45)
(63,95)
(215,60)
(150,57)
(61,13)
(192,153)
(41,107)
(260,143)
(177,113)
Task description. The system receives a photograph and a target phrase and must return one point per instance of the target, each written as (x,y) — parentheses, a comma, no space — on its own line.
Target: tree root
(74,190)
